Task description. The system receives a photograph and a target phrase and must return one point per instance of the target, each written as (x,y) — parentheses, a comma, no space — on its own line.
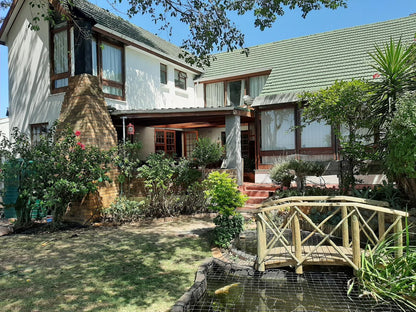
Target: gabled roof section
(105,20)
(312,62)
(117,24)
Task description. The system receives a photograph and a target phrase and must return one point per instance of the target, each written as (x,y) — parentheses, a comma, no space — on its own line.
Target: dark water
(286,291)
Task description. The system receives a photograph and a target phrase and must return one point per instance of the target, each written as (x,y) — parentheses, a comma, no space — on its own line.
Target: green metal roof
(117,24)
(312,62)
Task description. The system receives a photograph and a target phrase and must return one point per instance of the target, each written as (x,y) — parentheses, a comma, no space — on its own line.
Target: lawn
(129,268)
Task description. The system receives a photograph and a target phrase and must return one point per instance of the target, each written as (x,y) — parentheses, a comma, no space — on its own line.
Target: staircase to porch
(257,193)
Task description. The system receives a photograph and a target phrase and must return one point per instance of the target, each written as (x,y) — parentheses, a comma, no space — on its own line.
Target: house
(248,102)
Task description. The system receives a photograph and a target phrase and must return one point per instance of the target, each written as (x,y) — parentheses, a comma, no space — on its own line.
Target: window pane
(36,131)
(190,141)
(180,79)
(112,64)
(316,134)
(276,129)
(60,52)
(113,90)
(256,85)
(214,94)
(235,93)
(94,57)
(60,83)
(163,74)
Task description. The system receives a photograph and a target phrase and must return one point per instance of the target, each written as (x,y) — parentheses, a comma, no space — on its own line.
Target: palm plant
(396,74)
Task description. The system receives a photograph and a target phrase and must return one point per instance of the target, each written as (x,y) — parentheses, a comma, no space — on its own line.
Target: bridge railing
(361,221)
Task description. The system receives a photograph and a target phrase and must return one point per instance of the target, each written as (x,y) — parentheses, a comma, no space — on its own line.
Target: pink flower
(376,75)
(77,133)
(81,145)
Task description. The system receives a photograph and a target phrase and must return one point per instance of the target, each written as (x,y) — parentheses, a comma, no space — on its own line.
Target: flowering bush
(53,172)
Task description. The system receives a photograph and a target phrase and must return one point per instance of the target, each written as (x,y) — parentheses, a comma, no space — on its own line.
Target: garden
(128,263)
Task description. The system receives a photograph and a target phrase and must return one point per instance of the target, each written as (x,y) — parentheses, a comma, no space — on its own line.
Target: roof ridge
(352,28)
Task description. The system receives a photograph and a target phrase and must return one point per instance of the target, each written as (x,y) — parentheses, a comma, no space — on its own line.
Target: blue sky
(359,12)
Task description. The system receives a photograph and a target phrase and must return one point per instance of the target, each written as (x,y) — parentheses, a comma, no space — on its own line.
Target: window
(214,94)
(180,79)
(191,137)
(165,141)
(277,129)
(256,84)
(60,57)
(316,134)
(235,92)
(108,65)
(36,131)
(231,92)
(163,74)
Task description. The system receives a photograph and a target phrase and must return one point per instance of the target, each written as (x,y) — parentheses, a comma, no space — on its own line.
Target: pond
(244,290)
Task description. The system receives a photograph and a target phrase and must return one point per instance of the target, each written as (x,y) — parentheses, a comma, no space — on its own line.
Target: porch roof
(193,117)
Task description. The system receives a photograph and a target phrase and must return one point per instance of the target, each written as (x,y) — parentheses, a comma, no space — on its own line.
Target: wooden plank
(324,255)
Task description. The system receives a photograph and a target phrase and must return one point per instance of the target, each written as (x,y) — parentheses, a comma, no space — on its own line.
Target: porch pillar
(233,146)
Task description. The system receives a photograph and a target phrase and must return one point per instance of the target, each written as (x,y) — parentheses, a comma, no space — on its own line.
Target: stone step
(256,200)
(256,193)
(259,187)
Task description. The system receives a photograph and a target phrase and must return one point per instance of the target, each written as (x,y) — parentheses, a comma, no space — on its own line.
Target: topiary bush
(224,197)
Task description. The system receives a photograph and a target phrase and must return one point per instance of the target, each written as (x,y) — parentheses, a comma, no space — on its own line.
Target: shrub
(282,174)
(127,160)
(224,197)
(124,210)
(206,152)
(171,187)
(223,194)
(227,228)
(54,172)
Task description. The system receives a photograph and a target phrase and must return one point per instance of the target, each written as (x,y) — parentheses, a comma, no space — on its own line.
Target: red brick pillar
(84,109)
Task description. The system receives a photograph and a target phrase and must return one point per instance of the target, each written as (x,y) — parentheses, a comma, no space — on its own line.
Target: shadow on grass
(104,269)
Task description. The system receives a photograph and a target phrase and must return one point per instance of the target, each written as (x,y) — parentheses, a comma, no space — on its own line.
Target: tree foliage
(4,5)
(210,27)
(396,74)
(344,105)
(52,173)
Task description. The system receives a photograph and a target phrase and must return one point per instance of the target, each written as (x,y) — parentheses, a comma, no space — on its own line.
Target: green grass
(98,269)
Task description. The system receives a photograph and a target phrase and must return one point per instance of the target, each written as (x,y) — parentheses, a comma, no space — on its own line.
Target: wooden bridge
(361,221)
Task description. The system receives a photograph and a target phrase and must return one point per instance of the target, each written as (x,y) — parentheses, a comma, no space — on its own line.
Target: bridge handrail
(343,203)
(375,205)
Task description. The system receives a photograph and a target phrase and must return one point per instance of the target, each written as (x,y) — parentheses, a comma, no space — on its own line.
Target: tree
(395,74)
(344,105)
(210,26)
(4,5)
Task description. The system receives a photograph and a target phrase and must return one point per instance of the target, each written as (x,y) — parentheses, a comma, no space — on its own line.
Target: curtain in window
(112,64)
(276,129)
(60,52)
(256,85)
(214,94)
(316,134)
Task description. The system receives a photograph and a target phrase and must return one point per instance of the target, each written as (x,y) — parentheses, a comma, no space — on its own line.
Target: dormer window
(180,79)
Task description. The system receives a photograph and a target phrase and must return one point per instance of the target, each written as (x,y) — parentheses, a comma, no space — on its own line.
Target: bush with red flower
(52,173)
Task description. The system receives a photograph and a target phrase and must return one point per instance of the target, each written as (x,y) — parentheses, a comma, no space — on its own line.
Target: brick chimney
(84,109)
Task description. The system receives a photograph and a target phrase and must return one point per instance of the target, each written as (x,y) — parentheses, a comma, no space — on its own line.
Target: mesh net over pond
(231,289)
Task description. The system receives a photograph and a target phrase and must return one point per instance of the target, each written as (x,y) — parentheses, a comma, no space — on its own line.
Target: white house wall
(29,96)
(143,87)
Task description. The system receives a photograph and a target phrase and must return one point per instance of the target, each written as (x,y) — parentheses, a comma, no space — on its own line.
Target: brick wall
(84,109)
